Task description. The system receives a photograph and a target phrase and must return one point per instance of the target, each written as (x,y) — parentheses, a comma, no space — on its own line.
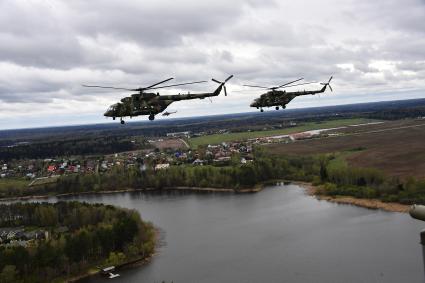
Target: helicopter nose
(107,113)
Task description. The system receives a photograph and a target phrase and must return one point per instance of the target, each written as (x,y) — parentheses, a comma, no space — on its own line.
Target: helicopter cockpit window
(112,107)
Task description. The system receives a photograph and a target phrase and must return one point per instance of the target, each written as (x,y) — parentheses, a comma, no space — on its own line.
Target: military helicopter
(166,113)
(149,103)
(280,98)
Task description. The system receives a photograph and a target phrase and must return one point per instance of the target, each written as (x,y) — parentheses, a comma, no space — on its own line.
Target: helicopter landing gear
(277,107)
(122,122)
(113,118)
(258,107)
(261,110)
(151,117)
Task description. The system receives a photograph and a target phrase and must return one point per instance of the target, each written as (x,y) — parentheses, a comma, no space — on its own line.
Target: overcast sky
(374,49)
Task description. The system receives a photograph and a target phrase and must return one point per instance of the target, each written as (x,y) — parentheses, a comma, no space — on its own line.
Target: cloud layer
(374,49)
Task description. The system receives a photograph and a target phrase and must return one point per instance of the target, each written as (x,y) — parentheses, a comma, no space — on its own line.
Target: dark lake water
(277,235)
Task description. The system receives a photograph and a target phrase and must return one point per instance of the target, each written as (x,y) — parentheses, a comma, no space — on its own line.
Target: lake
(277,235)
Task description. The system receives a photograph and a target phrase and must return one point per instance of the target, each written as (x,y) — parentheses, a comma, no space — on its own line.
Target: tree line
(72,147)
(367,183)
(336,180)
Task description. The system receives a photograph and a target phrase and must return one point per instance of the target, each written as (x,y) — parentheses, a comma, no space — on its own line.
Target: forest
(96,235)
(52,148)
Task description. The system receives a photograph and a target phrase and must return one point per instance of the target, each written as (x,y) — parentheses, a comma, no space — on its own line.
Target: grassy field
(397,148)
(219,138)
(13,183)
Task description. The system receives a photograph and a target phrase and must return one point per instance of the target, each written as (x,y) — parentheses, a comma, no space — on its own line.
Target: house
(90,166)
(162,166)
(16,243)
(198,162)
(30,175)
(179,134)
(34,235)
(222,160)
(51,168)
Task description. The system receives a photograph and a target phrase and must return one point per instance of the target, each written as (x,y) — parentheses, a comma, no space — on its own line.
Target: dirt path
(185,143)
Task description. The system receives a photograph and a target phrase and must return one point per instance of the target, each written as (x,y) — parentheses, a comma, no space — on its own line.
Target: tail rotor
(328,83)
(223,84)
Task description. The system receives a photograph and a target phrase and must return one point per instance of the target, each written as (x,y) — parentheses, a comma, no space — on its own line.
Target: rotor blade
(110,87)
(330,79)
(231,76)
(298,84)
(214,80)
(225,91)
(257,86)
(178,84)
(289,83)
(330,87)
(151,86)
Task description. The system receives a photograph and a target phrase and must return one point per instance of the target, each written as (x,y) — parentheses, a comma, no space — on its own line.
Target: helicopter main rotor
(285,85)
(142,89)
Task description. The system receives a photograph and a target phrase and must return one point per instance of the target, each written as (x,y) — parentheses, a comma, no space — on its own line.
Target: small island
(43,242)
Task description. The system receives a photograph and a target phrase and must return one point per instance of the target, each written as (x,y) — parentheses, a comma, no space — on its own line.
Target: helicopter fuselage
(151,103)
(280,98)
(138,104)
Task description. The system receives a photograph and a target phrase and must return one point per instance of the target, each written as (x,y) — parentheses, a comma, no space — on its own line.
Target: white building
(162,166)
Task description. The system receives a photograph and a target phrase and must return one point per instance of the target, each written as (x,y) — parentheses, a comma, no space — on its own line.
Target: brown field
(171,143)
(396,147)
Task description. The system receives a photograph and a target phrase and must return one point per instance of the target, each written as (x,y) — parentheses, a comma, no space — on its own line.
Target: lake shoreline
(309,188)
(255,189)
(312,190)
(135,262)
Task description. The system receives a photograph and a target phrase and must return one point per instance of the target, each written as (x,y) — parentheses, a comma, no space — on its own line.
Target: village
(26,236)
(163,153)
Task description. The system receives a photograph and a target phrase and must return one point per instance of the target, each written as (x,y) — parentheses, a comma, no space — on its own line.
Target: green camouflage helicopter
(149,103)
(280,98)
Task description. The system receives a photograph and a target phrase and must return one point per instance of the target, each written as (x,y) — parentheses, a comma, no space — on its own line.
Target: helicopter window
(112,108)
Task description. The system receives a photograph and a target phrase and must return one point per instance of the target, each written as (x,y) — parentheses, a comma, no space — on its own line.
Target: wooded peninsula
(43,242)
